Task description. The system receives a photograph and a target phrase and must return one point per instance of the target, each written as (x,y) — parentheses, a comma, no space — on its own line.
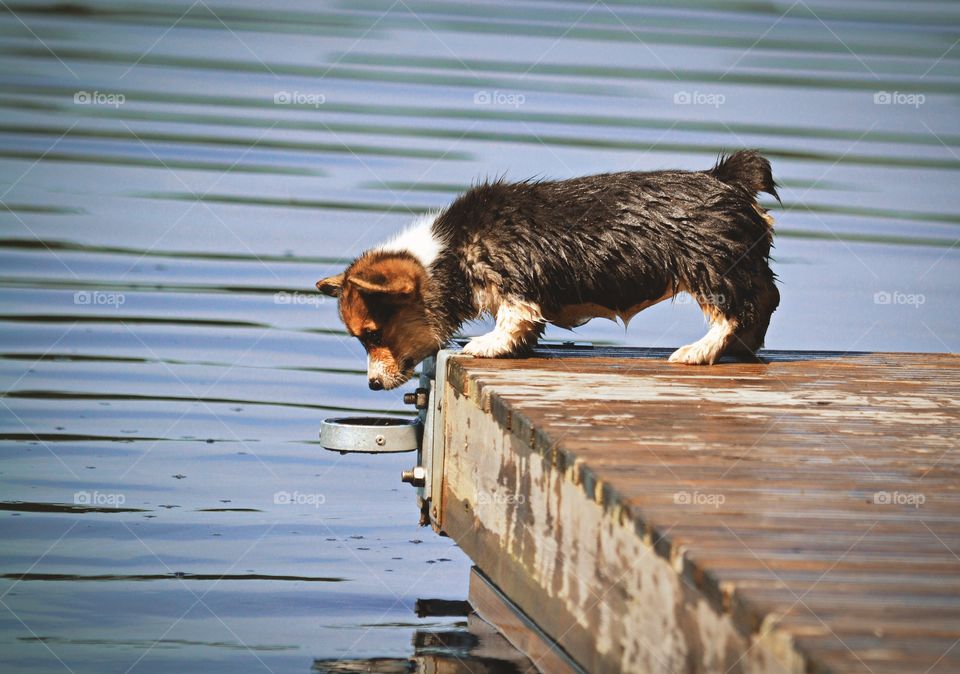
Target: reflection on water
(174,177)
(471,647)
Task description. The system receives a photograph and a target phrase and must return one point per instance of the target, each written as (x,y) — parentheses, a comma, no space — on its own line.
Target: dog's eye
(371,337)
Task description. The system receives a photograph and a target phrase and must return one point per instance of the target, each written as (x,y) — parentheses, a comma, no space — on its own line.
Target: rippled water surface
(174,178)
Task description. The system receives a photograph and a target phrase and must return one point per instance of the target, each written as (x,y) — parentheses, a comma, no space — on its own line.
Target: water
(166,365)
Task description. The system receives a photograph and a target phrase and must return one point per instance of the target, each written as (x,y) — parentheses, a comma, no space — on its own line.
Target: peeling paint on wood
(799,516)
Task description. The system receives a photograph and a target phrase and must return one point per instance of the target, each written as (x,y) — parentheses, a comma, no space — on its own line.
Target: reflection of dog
(564,252)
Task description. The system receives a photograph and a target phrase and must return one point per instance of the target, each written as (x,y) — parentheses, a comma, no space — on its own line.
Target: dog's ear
(391,276)
(384,285)
(331,286)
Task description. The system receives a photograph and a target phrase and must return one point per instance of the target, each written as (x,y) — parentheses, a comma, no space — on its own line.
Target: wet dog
(566,251)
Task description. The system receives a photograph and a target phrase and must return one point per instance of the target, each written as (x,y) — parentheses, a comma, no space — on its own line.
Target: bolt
(420,398)
(416,476)
(381,440)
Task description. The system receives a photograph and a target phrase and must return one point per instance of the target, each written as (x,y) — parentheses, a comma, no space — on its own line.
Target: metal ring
(370,435)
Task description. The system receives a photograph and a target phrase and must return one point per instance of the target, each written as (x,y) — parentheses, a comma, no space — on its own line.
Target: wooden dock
(799,516)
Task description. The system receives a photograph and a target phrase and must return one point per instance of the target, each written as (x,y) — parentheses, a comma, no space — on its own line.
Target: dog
(563,252)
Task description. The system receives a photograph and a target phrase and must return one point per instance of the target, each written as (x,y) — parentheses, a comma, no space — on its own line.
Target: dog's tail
(747,169)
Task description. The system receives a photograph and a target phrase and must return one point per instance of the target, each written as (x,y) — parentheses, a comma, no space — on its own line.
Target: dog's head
(382,304)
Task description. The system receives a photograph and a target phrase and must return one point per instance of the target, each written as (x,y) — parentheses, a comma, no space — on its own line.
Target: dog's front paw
(694,354)
(487,346)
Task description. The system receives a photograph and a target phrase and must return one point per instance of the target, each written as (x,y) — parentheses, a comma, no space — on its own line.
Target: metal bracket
(427,475)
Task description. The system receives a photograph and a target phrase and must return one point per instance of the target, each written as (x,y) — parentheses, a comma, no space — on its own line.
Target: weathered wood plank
(802,515)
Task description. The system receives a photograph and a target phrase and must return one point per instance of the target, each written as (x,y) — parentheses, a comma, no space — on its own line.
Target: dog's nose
(375,385)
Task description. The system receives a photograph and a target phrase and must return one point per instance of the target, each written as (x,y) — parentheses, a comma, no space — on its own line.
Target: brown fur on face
(382,304)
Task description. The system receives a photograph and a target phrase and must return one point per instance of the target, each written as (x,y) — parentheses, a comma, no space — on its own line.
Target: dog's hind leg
(752,328)
(519,324)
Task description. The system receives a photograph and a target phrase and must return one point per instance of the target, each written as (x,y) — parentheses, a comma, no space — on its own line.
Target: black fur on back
(614,239)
